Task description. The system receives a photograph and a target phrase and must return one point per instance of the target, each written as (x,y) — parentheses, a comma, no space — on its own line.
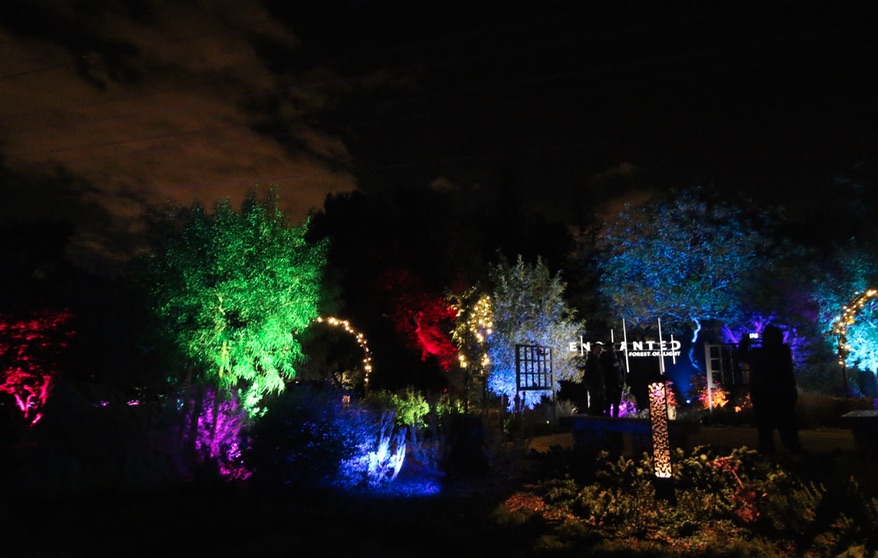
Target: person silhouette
(594,379)
(614,380)
(773,391)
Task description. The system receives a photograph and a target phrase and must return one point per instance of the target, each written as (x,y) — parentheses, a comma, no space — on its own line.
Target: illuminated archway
(359,337)
(840,327)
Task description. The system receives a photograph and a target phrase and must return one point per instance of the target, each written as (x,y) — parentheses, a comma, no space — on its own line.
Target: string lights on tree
(841,325)
(474,326)
(360,338)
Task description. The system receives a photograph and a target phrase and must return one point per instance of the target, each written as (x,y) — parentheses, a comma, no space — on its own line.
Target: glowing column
(661,439)
(658,414)
(661,446)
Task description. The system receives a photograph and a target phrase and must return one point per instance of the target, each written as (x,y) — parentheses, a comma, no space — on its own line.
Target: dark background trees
(390,249)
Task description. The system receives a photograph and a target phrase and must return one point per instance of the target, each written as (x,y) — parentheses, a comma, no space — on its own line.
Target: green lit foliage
(234,288)
(426,421)
(685,258)
(529,308)
(409,406)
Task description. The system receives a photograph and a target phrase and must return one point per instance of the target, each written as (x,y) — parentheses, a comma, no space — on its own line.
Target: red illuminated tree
(29,357)
(424,319)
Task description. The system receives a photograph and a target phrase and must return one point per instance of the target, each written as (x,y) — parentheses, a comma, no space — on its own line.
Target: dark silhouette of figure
(594,379)
(614,379)
(637,379)
(773,391)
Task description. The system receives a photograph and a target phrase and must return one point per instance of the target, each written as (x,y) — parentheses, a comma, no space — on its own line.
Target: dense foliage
(686,257)
(233,290)
(423,319)
(735,504)
(852,271)
(528,308)
(314,436)
(473,325)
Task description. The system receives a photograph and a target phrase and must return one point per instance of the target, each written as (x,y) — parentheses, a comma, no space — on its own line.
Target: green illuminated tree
(234,289)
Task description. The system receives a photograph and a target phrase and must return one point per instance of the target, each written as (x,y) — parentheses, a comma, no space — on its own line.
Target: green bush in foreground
(738,504)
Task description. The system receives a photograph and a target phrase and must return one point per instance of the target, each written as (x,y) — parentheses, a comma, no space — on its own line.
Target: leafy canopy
(234,289)
(528,308)
(852,271)
(684,258)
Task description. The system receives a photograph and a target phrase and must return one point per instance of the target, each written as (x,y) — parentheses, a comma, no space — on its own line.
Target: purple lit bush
(218,425)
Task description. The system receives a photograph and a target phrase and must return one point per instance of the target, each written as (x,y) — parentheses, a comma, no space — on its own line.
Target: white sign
(635,348)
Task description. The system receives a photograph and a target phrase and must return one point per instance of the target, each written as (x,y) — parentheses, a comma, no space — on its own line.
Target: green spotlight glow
(234,288)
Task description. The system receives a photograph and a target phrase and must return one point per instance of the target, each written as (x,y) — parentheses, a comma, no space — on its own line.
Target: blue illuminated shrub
(319,437)
(218,423)
(302,439)
(426,422)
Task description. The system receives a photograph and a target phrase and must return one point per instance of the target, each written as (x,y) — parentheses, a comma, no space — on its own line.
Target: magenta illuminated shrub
(218,425)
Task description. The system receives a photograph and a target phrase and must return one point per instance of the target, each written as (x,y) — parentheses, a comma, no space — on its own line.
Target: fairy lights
(360,338)
(475,325)
(847,319)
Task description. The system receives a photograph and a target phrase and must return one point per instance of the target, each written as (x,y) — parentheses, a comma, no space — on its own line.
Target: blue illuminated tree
(529,309)
(687,257)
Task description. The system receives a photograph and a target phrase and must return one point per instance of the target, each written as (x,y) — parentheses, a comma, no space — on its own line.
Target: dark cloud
(146,101)
(759,95)
(168,101)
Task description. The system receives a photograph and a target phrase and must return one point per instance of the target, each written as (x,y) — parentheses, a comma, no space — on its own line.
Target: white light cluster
(480,326)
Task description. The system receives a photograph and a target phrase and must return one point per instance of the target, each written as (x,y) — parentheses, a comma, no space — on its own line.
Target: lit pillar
(661,445)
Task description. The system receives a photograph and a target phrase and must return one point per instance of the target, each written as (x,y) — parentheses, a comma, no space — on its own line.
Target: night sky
(110,105)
